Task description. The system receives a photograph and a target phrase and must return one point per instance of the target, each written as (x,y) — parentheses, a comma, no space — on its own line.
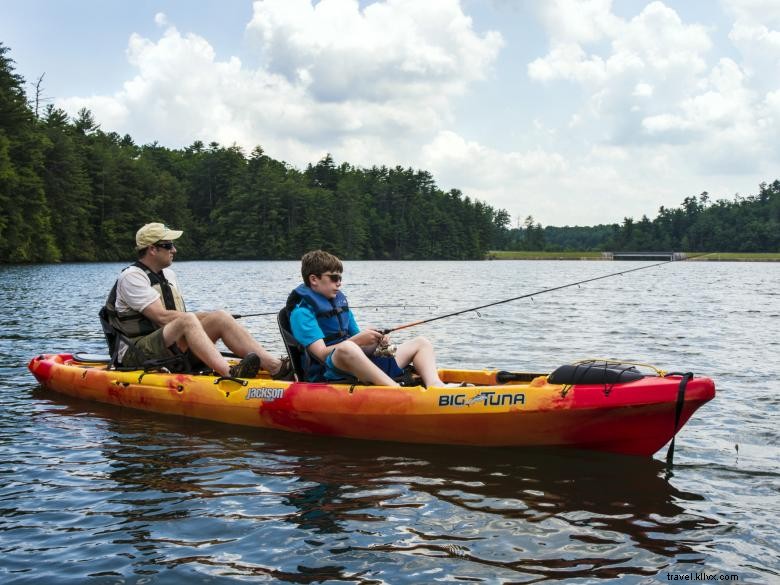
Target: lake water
(96,494)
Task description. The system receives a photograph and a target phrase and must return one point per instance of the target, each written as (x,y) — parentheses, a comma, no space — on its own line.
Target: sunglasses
(165,245)
(333,277)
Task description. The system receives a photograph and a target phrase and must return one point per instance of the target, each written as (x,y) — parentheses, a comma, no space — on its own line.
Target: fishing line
(533,294)
(236,316)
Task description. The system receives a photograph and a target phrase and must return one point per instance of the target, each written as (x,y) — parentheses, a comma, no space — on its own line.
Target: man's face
(164,253)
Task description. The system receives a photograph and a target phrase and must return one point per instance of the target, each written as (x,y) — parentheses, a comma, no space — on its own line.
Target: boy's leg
(419,351)
(222,325)
(349,357)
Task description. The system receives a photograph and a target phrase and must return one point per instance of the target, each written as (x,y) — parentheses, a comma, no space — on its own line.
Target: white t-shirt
(134,289)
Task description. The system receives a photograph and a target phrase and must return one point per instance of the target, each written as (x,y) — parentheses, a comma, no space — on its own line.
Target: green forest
(71,191)
(744,224)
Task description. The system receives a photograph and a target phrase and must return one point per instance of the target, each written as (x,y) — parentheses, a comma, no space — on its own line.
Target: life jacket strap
(333,312)
(339,336)
(159,279)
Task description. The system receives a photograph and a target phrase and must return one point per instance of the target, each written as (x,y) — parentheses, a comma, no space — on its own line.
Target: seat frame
(294,349)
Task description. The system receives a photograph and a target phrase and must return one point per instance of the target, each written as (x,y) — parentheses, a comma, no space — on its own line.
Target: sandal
(247,367)
(285,370)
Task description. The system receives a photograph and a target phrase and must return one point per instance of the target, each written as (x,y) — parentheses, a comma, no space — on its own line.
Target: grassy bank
(714,257)
(738,257)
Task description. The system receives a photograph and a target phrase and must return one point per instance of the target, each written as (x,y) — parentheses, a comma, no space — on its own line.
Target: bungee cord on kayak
(531,295)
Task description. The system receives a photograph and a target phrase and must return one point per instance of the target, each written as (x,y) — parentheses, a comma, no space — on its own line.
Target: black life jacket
(131,323)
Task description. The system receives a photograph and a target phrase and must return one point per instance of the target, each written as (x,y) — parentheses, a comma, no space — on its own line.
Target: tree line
(742,224)
(70,191)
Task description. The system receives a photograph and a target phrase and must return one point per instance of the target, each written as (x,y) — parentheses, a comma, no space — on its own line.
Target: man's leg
(419,351)
(187,331)
(222,325)
(349,357)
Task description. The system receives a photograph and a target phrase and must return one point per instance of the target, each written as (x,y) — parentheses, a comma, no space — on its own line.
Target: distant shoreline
(491,255)
(714,257)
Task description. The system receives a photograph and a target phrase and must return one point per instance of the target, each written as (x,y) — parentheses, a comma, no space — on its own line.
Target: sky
(575,112)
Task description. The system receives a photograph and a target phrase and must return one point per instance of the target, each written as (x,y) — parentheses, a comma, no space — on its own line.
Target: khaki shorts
(148,347)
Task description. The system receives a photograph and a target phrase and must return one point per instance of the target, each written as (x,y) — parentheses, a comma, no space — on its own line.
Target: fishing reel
(386,350)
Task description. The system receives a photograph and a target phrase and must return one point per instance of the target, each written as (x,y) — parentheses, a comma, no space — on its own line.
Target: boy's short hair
(318,262)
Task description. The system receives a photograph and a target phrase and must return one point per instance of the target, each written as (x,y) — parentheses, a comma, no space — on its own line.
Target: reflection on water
(91,492)
(201,496)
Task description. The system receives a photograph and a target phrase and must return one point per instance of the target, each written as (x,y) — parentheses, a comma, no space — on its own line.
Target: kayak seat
(294,349)
(595,372)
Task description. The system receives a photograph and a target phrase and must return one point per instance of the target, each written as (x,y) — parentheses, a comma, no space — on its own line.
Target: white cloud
(754,11)
(655,49)
(160,19)
(582,189)
(470,163)
(568,61)
(579,21)
(726,103)
(396,49)
(649,81)
(600,185)
(663,43)
(756,34)
(335,78)
(643,90)
(656,40)
(536,182)
(772,102)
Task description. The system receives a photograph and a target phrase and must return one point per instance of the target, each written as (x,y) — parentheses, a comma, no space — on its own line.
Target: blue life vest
(332,317)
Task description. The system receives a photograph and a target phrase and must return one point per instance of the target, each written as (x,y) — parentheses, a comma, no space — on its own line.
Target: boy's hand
(368,337)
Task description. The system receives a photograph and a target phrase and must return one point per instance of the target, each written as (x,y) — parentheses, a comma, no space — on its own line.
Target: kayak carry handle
(231,379)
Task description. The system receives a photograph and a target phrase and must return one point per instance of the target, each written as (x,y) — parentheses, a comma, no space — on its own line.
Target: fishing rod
(236,316)
(533,294)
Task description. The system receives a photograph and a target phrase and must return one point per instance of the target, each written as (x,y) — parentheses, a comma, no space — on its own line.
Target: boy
(321,321)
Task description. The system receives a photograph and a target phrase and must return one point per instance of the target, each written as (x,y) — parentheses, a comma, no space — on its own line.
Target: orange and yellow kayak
(477,407)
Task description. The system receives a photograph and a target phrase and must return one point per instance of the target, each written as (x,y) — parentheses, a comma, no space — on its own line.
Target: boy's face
(327,283)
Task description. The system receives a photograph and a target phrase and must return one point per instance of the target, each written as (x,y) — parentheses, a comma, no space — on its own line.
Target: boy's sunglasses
(164,245)
(333,277)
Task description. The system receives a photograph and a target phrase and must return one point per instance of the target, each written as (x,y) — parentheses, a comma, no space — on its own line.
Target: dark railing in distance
(644,255)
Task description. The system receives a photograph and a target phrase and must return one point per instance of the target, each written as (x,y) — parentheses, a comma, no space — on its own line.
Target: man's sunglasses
(164,245)
(333,277)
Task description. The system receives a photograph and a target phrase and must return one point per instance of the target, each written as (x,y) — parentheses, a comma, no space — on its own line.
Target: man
(146,306)
(321,321)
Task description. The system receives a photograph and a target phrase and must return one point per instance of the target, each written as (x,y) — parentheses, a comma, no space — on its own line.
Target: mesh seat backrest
(108,331)
(294,349)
